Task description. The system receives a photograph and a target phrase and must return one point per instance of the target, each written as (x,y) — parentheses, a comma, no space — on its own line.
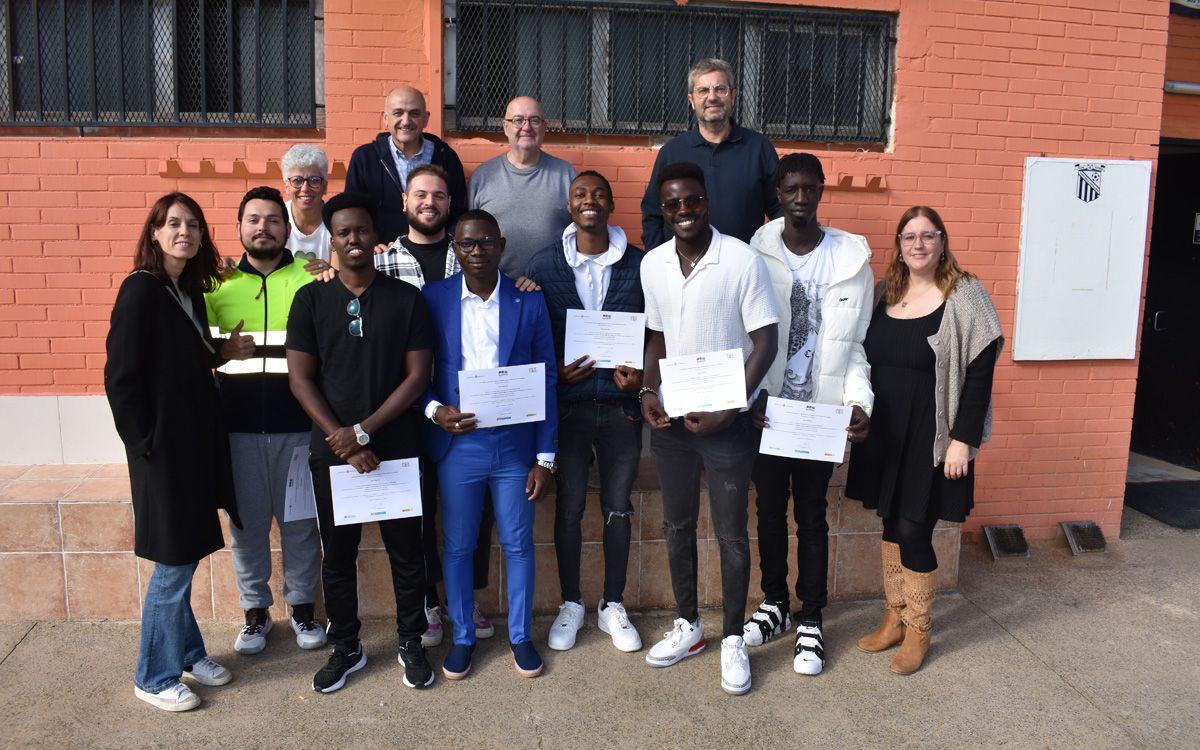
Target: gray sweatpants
(260,473)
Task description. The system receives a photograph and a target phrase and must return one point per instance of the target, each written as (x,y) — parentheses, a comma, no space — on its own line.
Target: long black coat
(160,386)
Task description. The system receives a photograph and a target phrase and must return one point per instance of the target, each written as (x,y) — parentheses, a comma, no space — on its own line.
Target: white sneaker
(735,666)
(433,628)
(682,640)
(208,672)
(810,648)
(483,626)
(768,621)
(253,637)
(178,697)
(566,625)
(308,630)
(613,619)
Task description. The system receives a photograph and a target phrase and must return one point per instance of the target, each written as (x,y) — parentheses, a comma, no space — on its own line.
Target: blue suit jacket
(525,338)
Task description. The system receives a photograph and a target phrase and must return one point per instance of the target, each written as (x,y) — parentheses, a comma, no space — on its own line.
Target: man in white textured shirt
(705,292)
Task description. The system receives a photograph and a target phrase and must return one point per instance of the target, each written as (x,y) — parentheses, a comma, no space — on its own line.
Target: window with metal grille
(621,67)
(241,63)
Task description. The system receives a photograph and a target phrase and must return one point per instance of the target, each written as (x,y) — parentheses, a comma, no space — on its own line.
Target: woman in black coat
(159,382)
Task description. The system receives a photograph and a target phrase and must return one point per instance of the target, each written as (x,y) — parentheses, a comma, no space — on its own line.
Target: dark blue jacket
(372,171)
(739,180)
(549,270)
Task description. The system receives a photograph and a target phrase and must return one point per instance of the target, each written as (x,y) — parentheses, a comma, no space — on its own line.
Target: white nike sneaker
(684,639)
(735,666)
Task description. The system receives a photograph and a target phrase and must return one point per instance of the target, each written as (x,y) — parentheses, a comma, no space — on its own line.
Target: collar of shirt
(404,163)
(695,139)
(491,300)
(479,336)
(617,243)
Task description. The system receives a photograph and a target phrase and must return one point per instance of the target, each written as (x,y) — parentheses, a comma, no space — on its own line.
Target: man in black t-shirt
(359,350)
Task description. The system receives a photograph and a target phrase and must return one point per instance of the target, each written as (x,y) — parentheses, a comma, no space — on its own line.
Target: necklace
(807,257)
(693,261)
(904,303)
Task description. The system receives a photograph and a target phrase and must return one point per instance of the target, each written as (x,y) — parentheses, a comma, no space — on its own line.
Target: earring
(943,258)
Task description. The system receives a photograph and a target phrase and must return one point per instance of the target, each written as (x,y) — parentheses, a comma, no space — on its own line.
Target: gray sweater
(530,204)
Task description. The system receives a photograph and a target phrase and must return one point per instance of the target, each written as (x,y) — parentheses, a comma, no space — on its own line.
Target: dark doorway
(1166,412)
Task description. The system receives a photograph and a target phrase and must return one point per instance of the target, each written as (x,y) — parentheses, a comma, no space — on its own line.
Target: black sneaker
(341,663)
(417,672)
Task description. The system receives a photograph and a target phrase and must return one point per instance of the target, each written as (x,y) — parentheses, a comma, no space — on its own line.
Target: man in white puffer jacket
(823,286)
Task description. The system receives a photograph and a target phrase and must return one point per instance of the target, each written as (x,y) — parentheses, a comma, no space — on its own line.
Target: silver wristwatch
(550,466)
(360,435)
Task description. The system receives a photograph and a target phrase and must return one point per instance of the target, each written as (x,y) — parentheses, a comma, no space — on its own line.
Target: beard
(263,253)
(428,227)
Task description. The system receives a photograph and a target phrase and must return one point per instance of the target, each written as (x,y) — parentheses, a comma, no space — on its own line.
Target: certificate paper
(799,429)
(299,503)
(608,338)
(504,395)
(391,491)
(703,382)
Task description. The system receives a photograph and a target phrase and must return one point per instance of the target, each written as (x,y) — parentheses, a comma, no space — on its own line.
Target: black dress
(892,471)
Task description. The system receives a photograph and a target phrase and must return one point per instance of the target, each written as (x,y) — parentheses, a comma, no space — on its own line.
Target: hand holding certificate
(798,429)
(608,338)
(709,382)
(502,396)
(391,491)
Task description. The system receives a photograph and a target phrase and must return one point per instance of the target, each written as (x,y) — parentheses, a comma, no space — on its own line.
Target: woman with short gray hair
(305,170)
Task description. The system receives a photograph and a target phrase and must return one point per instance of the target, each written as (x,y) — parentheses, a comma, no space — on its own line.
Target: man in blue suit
(482,321)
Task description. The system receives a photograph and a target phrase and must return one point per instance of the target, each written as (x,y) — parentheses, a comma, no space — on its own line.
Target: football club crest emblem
(1087,181)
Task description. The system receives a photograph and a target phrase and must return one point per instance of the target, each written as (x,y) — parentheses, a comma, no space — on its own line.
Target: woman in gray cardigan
(932,345)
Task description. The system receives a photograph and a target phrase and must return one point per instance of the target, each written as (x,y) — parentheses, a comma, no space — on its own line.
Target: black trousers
(402,538)
(807,482)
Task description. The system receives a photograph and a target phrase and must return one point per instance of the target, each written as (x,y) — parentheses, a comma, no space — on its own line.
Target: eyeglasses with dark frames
(519,122)
(467,246)
(313,181)
(688,201)
(354,310)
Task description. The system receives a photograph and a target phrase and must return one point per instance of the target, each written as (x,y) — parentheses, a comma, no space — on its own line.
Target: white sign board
(1083,243)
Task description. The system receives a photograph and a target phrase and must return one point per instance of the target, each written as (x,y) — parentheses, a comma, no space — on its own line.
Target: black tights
(916,543)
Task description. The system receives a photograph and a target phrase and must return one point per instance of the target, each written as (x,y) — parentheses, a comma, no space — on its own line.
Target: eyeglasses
(467,246)
(908,239)
(520,122)
(688,201)
(314,181)
(720,91)
(354,310)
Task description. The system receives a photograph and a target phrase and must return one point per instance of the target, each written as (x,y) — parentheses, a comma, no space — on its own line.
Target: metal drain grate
(1006,540)
(1084,536)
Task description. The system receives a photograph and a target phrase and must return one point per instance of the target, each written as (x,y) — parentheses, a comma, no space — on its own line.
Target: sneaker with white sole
(735,666)
(810,648)
(253,637)
(769,620)
(208,672)
(342,663)
(566,625)
(612,619)
(684,639)
(433,628)
(178,697)
(309,632)
(483,626)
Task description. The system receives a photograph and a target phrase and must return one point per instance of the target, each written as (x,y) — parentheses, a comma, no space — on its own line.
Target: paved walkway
(1053,652)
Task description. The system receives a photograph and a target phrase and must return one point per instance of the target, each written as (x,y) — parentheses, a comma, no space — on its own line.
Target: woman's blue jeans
(171,638)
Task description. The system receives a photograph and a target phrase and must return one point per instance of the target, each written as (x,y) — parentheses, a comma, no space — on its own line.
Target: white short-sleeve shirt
(727,295)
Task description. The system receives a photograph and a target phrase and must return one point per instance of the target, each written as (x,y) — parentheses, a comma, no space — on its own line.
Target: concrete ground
(1099,651)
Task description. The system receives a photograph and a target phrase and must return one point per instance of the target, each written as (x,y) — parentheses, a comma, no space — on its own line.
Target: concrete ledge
(66,553)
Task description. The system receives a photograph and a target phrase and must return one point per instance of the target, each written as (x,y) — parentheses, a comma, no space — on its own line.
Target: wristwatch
(360,435)
(550,466)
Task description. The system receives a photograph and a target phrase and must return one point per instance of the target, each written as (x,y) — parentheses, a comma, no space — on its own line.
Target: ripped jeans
(727,457)
(605,428)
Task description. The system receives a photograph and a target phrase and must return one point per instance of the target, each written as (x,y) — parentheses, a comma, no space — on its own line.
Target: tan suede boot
(918,598)
(891,631)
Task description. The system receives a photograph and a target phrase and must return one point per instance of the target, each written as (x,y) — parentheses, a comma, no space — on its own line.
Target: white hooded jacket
(841,374)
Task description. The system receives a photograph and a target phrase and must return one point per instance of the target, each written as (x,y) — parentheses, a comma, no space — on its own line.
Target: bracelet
(644,391)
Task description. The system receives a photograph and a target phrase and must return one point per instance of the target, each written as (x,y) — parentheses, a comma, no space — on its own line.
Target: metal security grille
(621,67)
(242,63)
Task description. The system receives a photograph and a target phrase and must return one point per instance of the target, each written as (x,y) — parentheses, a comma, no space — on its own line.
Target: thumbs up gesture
(238,346)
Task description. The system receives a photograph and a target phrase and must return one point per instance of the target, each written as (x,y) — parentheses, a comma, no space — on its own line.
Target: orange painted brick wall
(1181,112)
(979,86)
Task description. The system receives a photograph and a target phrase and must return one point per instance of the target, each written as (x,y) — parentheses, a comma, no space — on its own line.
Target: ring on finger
(457,425)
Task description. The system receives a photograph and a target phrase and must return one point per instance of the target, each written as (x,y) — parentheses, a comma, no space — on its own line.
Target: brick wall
(1181,113)
(979,86)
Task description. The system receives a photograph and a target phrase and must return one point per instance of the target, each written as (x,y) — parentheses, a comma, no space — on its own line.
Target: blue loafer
(458,661)
(526,659)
